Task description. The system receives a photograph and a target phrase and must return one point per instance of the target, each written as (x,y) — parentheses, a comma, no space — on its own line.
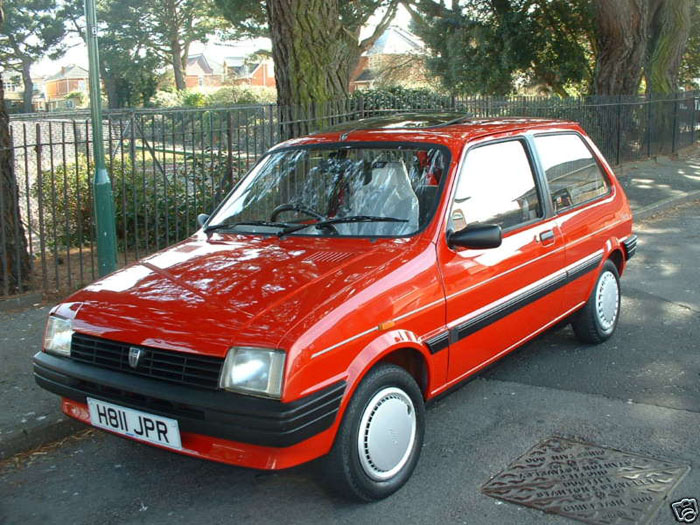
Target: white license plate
(134,423)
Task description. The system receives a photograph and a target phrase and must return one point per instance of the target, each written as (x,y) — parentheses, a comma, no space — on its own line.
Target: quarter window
(573,174)
(496,186)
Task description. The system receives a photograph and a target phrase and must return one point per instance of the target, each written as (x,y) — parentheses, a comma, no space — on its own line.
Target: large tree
(128,67)
(32,31)
(316,44)
(669,30)
(639,38)
(174,25)
(689,74)
(491,47)
(15,258)
(622,39)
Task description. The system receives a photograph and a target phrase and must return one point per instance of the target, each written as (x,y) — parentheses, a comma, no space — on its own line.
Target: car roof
(442,128)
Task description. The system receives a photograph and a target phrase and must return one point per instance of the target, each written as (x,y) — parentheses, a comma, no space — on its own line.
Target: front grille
(177,367)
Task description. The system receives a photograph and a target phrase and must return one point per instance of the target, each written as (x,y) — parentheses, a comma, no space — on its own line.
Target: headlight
(58,335)
(256,371)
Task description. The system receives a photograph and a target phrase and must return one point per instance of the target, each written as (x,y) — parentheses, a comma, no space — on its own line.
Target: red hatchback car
(350,277)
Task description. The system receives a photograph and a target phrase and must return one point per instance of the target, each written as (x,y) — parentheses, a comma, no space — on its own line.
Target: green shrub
(151,210)
(397,97)
(242,95)
(192,99)
(166,99)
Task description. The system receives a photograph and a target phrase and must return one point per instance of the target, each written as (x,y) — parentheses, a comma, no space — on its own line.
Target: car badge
(135,355)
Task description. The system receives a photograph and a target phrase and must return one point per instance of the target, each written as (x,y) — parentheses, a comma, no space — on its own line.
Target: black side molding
(630,244)
(523,299)
(439,342)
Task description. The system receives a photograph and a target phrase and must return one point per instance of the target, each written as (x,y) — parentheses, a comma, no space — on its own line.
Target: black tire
(343,468)
(588,324)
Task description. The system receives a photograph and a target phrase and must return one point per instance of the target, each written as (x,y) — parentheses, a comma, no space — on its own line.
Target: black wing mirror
(202,218)
(478,236)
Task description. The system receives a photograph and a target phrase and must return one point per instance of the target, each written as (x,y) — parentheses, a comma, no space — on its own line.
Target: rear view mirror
(478,236)
(202,218)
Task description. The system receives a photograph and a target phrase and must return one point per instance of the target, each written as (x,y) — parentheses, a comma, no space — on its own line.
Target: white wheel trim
(387,433)
(607,301)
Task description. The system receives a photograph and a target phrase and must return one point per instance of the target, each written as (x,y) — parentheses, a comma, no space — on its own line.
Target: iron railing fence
(168,165)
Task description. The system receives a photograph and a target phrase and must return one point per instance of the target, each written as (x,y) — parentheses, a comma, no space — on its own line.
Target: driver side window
(496,186)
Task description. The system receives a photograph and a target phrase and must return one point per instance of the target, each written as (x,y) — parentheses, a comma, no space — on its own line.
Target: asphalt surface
(639,392)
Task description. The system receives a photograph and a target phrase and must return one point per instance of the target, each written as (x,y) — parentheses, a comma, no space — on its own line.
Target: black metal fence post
(619,130)
(649,125)
(229,147)
(675,124)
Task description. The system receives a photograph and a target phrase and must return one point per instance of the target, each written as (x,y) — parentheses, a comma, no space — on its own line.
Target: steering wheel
(302,209)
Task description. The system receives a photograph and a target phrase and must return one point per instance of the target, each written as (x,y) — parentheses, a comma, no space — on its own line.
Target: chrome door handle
(547,237)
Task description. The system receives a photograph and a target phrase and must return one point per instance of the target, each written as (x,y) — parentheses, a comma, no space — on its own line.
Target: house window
(201,81)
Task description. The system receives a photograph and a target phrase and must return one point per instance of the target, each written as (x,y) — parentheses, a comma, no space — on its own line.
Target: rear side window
(573,174)
(496,186)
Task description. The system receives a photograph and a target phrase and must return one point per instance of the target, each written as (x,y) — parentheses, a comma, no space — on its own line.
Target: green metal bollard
(103,197)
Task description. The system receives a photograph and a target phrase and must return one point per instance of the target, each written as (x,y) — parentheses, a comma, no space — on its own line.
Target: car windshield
(342,190)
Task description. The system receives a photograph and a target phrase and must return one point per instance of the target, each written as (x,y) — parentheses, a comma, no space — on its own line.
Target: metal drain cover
(586,482)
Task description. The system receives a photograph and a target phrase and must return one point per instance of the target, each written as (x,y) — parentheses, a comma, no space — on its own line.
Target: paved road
(639,392)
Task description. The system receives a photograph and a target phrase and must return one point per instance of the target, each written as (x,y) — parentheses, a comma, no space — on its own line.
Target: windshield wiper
(224,225)
(339,220)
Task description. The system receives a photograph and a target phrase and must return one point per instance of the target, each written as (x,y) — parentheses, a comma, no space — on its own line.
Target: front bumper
(217,415)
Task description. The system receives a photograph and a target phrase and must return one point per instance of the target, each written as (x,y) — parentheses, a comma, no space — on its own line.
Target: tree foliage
(173,25)
(492,47)
(127,65)
(32,30)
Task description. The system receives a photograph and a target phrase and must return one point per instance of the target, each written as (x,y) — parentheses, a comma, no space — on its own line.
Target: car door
(498,297)
(583,203)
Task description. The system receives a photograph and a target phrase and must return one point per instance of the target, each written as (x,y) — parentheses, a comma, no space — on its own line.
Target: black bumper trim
(630,244)
(219,414)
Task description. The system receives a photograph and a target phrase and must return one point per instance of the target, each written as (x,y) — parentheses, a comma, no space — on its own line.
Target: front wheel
(597,321)
(380,439)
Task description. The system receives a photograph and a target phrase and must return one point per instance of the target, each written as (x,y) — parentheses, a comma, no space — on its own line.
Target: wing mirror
(202,218)
(478,236)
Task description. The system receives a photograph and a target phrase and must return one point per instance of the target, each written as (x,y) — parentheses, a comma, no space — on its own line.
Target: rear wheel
(598,319)
(380,439)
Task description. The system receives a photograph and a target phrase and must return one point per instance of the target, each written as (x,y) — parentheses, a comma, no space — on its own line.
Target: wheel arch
(618,259)
(398,347)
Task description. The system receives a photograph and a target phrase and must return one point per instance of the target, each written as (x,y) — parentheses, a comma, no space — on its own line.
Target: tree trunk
(179,65)
(621,42)
(28,94)
(313,58)
(14,259)
(669,28)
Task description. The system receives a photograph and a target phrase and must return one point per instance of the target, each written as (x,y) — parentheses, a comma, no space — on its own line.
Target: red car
(350,277)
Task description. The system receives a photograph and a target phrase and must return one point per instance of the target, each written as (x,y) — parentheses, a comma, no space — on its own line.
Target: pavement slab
(657,180)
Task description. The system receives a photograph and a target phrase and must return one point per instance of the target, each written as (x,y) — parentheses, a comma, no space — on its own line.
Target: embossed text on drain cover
(586,482)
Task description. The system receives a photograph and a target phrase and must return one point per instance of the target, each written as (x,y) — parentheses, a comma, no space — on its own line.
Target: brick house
(397,57)
(245,71)
(68,80)
(202,74)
